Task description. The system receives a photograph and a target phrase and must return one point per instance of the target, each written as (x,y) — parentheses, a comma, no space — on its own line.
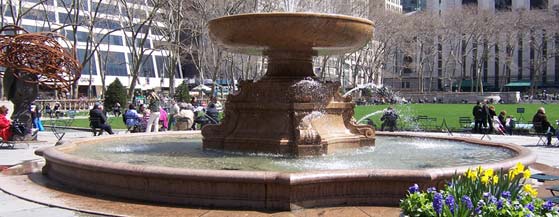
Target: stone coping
(282,190)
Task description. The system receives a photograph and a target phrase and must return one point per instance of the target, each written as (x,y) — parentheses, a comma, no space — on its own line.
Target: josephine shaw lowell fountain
(287,113)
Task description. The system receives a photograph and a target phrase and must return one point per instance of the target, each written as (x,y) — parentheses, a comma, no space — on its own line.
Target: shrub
(116,92)
(480,192)
(182,94)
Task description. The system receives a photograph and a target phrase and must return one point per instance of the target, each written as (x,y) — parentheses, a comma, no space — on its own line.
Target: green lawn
(451,112)
(115,122)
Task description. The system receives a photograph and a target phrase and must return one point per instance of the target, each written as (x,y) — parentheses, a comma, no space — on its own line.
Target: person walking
(478,117)
(154,106)
(544,126)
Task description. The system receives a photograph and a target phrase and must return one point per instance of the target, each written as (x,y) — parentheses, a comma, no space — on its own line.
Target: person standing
(478,117)
(153,105)
(542,121)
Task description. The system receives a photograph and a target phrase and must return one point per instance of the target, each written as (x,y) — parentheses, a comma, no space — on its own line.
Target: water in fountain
(390,152)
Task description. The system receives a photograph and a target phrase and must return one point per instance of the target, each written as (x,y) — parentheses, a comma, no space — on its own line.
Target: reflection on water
(389,153)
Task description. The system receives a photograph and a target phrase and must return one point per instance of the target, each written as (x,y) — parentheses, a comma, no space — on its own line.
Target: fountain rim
(57,154)
(295,14)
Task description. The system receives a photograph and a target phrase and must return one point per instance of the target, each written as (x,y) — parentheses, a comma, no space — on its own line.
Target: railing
(69,104)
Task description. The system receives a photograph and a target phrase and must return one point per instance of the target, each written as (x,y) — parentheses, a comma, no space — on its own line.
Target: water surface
(389,153)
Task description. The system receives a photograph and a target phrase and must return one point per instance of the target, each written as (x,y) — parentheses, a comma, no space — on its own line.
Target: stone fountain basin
(249,189)
(310,33)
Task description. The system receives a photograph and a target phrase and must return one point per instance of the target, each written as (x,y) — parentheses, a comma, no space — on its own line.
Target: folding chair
(542,177)
(540,133)
(6,144)
(465,124)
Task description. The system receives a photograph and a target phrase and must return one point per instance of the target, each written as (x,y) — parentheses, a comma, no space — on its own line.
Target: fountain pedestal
(282,116)
(289,111)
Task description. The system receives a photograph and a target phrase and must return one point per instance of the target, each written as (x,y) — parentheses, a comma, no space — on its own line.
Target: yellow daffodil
(495,179)
(485,179)
(489,172)
(519,167)
(479,170)
(527,174)
(512,173)
(528,189)
(471,175)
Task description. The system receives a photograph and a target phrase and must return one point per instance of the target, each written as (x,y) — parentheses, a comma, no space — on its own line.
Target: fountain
(288,111)
(258,158)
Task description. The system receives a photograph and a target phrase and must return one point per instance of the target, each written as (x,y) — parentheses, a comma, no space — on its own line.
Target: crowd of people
(153,117)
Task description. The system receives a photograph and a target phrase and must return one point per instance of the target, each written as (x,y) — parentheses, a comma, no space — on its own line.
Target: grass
(115,122)
(451,112)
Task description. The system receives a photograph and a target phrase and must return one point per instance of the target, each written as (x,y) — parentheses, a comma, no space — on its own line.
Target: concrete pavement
(11,205)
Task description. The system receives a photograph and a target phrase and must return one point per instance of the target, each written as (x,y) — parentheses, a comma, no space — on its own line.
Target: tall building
(114,56)
(401,70)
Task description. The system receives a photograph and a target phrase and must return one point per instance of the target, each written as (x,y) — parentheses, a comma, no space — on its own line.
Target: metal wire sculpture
(39,54)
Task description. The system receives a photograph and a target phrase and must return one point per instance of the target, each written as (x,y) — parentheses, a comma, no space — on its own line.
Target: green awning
(519,84)
(469,83)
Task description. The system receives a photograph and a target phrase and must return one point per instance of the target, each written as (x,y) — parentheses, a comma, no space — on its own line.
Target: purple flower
(438,203)
(530,207)
(548,205)
(492,200)
(486,194)
(528,215)
(480,205)
(413,189)
(506,194)
(450,202)
(499,204)
(466,200)
(431,189)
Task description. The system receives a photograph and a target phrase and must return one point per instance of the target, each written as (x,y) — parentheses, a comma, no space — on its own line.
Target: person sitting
(5,124)
(98,119)
(389,120)
(185,117)
(509,124)
(131,118)
(542,125)
(213,114)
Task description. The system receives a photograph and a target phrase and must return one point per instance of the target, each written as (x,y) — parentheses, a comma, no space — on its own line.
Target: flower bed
(480,192)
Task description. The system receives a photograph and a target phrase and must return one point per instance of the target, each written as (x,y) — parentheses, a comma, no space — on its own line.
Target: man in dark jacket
(478,117)
(389,119)
(98,119)
(542,125)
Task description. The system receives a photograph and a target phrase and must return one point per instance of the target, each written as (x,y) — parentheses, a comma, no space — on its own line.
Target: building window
(35,14)
(110,39)
(469,2)
(503,5)
(405,85)
(89,65)
(147,68)
(115,63)
(538,4)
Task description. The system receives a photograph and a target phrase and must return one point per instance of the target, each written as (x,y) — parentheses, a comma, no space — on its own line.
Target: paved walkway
(14,206)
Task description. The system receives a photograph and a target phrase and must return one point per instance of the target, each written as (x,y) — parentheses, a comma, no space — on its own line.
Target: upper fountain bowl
(268,33)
